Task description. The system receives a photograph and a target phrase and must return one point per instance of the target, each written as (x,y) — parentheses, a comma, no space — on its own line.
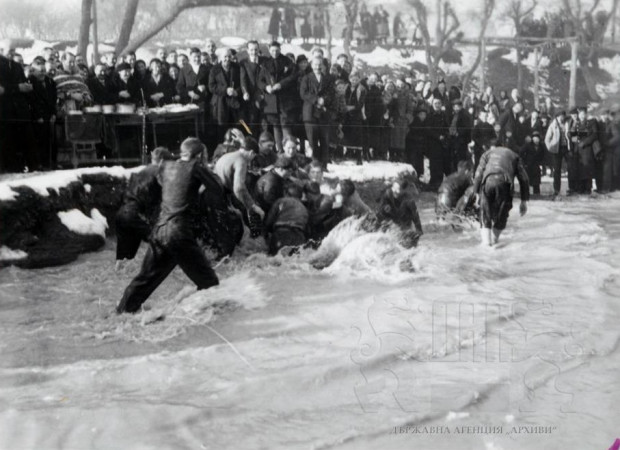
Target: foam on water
(283,355)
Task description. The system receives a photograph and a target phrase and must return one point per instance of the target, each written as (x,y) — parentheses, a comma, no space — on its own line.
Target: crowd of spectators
(339,111)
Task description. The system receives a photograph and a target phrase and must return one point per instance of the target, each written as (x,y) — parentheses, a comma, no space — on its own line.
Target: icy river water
(446,346)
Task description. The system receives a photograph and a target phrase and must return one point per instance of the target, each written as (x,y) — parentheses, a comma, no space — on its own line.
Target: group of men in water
(177,204)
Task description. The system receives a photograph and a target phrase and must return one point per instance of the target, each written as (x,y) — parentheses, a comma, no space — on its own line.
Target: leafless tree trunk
(447,25)
(588,56)
(181,5)
(328,33)
(489,6)
(351,9)
(128,20)
(517,11)
(85,22)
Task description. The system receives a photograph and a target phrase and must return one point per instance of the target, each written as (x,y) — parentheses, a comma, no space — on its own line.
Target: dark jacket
(310,90)
(189,81)
(219,82)
(282,71)
(452,188)
(510,124)
(105,93)
(249,75)
(132,86)
(533,156)
(287,212)
(437,126)
(43,98)
(165,86)
(502,161)
(180,181)
(401,210)
(269,188)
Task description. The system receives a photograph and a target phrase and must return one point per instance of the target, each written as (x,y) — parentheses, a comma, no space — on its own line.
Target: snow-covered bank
(51,218)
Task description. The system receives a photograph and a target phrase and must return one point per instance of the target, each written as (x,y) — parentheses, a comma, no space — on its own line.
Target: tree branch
(182,5)
(127,25)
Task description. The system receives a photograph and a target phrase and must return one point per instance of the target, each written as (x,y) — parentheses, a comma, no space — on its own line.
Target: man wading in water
(173,240)
(494,185)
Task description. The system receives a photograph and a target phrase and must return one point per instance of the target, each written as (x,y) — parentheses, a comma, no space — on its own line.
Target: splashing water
(282,355)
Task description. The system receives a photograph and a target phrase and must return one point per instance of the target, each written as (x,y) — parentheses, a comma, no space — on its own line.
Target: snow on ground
(58,179)
(233,41)
(8,254)
(375,170)
(611,65)
(78,222)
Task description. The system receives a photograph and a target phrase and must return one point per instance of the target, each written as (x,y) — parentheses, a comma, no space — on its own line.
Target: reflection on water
(282,355)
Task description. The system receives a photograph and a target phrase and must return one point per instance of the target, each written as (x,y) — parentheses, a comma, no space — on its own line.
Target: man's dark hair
(193,146)
(274,44)
(294,190)
(250,144)
(347,188)
(154,60)
(194,50)
(39,60)
(161,154)
(489,142)
(253,41)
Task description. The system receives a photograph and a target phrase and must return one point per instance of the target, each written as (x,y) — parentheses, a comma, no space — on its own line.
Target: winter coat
(282,71)
(310,91)
(221,103)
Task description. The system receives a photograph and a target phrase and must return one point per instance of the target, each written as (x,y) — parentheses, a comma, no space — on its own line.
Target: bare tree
(85,23)
(351,8)
(518,12)
(128,20)
(328,31)
(487,12)
(446,31)
(591,33)
(178,6)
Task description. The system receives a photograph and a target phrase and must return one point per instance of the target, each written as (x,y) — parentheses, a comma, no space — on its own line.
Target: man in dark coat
(494,186)
(533,155)
(250,69)
(270,186)
(482,132)
(127,86)
(138,213)
(274,24)
(278,82)
(103,89)
(438,152)
(43,108)
(398,205)
(511,127)
(374,110)
(19,148)
(460,134)
(159,89)
(318,92)
(584,133)
(532,124)
(453,192)
(173,242)
(193,81)
(193,87)
(416,144)
(225,88)
(287,221)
